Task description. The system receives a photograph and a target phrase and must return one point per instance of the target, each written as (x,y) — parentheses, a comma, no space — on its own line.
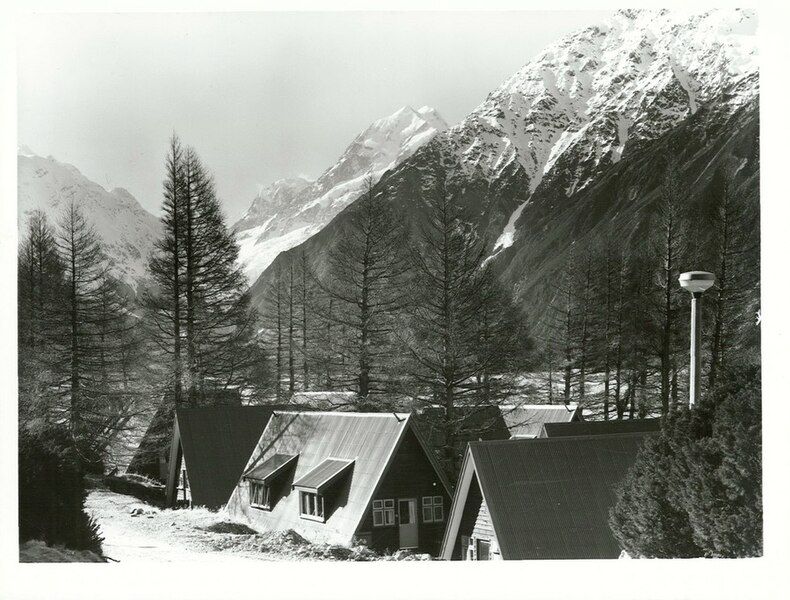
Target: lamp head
(696,282)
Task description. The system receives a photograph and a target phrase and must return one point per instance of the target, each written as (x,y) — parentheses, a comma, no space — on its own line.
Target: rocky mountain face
(127,230)
(289,211)
(578,137)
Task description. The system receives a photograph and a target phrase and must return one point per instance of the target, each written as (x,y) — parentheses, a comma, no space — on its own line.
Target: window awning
(320,477)
(269,469)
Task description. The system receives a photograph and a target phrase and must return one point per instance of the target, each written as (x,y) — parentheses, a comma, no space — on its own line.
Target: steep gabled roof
(600,427)
(326,444)
(217,442)
(494,422)
(548,498)
(527,420)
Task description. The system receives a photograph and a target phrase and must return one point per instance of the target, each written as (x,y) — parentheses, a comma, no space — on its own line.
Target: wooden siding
(483,528)
(411,475)
(468,518)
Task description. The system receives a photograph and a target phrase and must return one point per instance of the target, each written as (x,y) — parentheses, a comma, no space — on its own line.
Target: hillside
(536,162)
(289,211)
(127,230)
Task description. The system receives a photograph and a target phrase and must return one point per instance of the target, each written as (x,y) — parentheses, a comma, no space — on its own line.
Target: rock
(339,552)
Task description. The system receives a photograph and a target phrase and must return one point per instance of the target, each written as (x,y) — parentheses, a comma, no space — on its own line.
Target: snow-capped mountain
(127,230)
(289,211)
(583,102)
(589,113)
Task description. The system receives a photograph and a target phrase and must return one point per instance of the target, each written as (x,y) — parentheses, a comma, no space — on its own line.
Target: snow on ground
(137,532)
(155,535)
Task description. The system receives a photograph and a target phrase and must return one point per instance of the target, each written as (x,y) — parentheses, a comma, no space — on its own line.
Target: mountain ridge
(127,231)
(583,105)
(289,211)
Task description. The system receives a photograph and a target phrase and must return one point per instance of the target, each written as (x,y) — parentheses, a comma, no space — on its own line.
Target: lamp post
(695,282)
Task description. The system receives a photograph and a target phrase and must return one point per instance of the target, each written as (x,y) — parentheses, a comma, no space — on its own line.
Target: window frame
(482,542)
(316,504)
(265,495)
(384,508)
(430,506)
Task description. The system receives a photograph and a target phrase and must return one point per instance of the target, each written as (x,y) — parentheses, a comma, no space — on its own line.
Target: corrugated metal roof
(323,474)
(550,498)
(600,427)
(369,439)
(492,422)
(527,420)
(217,442)
(268,469)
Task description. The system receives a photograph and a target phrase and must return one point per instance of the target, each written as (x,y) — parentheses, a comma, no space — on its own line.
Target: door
(408,527)
(483,550)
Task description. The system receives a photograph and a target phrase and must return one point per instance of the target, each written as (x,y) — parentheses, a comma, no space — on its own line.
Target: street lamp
(695,282)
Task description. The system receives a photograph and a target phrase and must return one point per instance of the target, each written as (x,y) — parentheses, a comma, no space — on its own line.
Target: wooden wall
(411,475)
(475,523)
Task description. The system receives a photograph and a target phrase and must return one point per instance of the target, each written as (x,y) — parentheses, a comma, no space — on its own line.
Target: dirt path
(158,534)
(137,532)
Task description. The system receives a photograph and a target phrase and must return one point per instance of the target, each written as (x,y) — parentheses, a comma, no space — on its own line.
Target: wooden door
(408,526)
(483,550)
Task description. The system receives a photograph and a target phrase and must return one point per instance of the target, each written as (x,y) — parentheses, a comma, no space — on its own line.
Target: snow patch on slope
(581,100)
(289,211)
(128,232)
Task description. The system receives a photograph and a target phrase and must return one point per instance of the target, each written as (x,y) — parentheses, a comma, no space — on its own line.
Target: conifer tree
(40,284)
(669,247)
(366,281)
(97,335)
(463,327)
(200,303)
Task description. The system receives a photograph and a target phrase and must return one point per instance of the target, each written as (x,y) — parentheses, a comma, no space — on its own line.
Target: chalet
(209,448)
(153,452)
(152,455)
(339,476)
(526,421)
(543,498)
(492,422)
(599,427)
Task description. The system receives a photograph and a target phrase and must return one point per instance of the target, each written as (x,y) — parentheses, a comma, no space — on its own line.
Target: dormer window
(260,495)
(264,477)
(311,506)
(314,485)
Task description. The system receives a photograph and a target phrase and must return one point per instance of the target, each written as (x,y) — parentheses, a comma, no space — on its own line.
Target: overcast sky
(260,96)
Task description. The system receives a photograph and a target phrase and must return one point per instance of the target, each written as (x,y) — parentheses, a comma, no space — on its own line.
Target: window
(467,550)
(383,513)
(483,550)
(311,506)
(432,509)
(260,495)
(183,486)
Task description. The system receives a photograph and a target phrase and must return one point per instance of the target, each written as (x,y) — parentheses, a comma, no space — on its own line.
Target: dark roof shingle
(323,474)
(550,498)
(600,427)
(269,469)
(217,442)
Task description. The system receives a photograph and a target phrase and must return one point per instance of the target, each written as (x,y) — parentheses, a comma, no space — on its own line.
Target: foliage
(695,488)
(40,283)
(463,332)
(52,491)
(202,324)
(79,346)
(366,282)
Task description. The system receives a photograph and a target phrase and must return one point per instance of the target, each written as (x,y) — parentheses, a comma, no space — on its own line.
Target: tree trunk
(291,357)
